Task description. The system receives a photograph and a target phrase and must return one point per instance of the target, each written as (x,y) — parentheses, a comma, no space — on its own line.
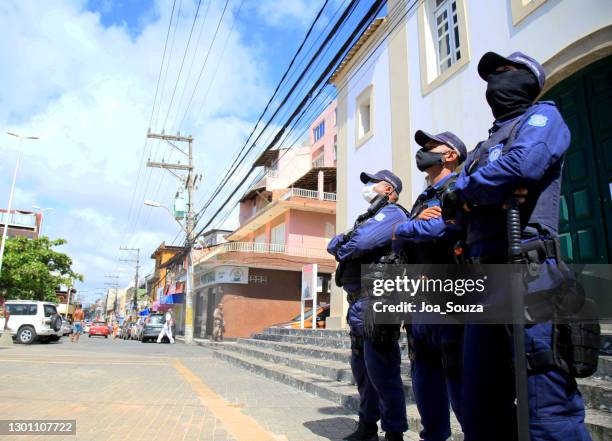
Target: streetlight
(10,202)
(156,204)
(42,214)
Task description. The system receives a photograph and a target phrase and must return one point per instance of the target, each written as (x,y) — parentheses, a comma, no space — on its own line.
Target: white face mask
(368,192)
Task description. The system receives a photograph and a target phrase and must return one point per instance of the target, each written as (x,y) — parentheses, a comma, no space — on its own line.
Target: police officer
(523,155)
(436,350)
(375,364)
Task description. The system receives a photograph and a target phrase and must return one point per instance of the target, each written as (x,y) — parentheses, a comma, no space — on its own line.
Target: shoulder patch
(537,120)
(379,216)
(495,152)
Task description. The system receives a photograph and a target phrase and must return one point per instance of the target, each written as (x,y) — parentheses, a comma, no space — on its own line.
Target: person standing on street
(375,359)
(522,159)
(77,328)
(166,329)
(218,323)
(436,349)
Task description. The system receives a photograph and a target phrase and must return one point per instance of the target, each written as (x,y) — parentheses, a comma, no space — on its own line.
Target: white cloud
(287,13)
(87,90)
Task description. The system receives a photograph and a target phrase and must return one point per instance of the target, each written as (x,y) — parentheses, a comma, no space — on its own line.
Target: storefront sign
(226,274)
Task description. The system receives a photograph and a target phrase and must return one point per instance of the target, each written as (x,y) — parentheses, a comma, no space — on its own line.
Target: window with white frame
(364,116)
(260,238)
(443,41)
(319,131)
(447,33)
(319,161)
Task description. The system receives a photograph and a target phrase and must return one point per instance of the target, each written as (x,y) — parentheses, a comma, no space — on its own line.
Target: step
(326,333)
(604,367)
(331,369)
(314,352)
(340,393)
(337,343)
(596,393)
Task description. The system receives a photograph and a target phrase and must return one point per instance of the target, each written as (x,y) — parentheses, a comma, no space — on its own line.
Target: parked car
(295,323)
(86,325)
(152,327)
(99,328)
(66,326)
(31,321)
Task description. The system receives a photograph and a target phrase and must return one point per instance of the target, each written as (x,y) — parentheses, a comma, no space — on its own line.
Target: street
(127,390)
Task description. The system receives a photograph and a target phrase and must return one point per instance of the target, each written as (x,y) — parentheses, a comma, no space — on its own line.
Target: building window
(319,161)
(443,41)
(447,33)
(522,8)
(319,131)
(364,116)
(277,234)
(258,279)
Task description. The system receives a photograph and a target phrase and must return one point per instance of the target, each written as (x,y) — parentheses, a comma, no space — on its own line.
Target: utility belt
(533,251)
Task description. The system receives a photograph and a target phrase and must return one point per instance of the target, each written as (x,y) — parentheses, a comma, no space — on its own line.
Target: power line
(369,16)
(182,61)
(195,88)
(234,165)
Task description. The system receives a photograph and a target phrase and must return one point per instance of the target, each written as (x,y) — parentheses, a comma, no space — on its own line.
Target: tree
(32,269)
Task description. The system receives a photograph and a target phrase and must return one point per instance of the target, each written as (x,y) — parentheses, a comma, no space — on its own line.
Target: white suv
(31,320)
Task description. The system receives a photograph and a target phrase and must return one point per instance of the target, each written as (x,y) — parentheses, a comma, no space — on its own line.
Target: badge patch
(379,217)
(495,152)
(537,120)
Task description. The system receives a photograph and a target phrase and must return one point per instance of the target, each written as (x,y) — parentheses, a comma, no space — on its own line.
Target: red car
(99,328)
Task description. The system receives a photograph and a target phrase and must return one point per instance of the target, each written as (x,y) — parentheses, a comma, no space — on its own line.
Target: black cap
(383,175)
(447,138)
(491,61)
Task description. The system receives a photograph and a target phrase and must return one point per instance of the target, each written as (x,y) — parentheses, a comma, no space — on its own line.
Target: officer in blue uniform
(375,362)
(522,156)
(436,350)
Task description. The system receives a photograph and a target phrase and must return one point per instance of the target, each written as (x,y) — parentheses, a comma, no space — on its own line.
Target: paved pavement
(127,390)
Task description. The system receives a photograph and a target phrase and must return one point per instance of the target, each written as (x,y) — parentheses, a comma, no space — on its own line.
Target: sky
(81,75)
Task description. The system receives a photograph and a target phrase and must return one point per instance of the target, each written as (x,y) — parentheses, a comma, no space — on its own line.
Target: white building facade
(416,69)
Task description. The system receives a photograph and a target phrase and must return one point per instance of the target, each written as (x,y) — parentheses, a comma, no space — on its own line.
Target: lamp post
(10,202)
(42,215)
(189,328)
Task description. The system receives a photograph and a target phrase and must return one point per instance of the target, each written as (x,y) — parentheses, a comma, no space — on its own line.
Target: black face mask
(425,159)
(510,93)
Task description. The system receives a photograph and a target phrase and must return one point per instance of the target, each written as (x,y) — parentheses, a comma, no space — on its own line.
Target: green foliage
(32,269)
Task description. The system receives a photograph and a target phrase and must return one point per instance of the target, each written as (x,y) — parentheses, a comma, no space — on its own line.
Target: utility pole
(137,261)
(189,183)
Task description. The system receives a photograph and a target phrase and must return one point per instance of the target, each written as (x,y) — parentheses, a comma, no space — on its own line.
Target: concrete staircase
(317,362)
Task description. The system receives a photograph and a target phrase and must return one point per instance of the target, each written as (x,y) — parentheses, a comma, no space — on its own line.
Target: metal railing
(309,194)
(265,248)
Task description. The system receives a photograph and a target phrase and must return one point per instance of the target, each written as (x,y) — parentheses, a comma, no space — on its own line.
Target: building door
(585,100)
(210,309)
(198,314)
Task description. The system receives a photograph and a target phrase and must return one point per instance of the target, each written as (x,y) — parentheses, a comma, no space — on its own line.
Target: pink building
(286,220)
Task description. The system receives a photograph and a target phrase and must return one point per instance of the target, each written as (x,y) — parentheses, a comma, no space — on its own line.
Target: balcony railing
(265,248)
(310,194)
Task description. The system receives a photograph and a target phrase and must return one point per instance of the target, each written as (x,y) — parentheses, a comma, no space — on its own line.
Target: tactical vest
(542,203)
(350,270)
(435,251)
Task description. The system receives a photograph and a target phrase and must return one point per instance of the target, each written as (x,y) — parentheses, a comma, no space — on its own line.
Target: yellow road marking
(240,426)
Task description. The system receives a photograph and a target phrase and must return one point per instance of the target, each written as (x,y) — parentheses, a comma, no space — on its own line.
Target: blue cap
(447,138)
(491,61)
(383,175)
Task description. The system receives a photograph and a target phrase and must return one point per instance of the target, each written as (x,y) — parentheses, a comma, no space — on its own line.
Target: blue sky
(82,78)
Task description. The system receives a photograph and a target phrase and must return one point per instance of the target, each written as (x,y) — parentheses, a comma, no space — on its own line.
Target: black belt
(352,297)
(534,251)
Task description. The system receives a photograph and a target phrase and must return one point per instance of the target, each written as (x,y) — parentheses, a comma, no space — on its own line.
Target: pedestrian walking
(166,329)
(218,323)
(115,329)
(77,320)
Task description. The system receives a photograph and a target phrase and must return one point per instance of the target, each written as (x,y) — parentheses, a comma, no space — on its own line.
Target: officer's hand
(430,213)
(520,194)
